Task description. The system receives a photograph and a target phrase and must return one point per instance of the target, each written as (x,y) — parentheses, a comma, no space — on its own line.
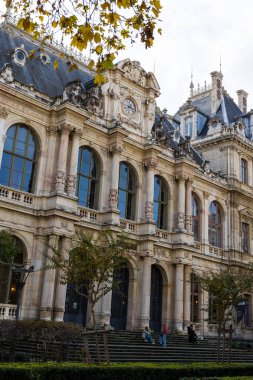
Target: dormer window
(244,171)
(44,58)
(188,126)
(19,56)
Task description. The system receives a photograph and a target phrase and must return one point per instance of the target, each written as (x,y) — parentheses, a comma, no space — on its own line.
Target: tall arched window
(19,159)
(244,171)
(195,299)
(215,225)
(160,202)
(87,178)
(9,279)
(127,191)
(195,218)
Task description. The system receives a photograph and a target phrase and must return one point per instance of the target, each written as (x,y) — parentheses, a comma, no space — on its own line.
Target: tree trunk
(92,307)
(223,345)
(218,345)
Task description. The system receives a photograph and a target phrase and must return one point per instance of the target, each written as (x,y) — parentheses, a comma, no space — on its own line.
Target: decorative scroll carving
(180,220)
(71,185)
(134,72)
(75,93)
(6,74)
(60,181)
(116,148)
(149,210)
(151,163)
(113,198)
(3,112)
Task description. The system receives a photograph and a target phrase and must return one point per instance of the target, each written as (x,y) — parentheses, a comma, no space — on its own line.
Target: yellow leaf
(55,65)
(91,64)
(41,18)
(72,67)
(20,23)
(99,49)
(99,79)
(54,24)
(97,37)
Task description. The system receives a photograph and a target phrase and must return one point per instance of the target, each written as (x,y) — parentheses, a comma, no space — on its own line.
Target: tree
(8,248)
(226,289)
(100,27)
(91,264)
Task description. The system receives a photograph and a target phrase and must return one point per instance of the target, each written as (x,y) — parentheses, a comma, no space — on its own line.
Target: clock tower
(129,97)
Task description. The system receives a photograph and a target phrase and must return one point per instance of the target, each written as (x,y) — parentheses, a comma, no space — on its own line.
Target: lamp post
(24,273)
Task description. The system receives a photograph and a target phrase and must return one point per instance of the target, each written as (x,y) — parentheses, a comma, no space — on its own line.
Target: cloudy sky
(195,34)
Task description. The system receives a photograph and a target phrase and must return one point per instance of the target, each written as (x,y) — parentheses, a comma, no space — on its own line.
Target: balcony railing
(89,214)
(16,196)
(128,226)
(8,311)
(162,234)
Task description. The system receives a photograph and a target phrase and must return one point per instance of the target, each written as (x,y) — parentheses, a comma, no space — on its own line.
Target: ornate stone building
(77,156)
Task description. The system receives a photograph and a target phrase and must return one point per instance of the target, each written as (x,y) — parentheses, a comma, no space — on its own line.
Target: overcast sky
(195,34)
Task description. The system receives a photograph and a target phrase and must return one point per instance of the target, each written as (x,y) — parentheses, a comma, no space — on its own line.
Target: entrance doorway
(120,299)
(75,306)
(156,294)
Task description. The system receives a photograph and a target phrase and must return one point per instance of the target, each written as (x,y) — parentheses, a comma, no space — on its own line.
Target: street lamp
(24,273)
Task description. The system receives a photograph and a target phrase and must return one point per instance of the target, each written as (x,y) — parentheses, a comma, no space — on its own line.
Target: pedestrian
(189,331)
(146,335)
(163,335)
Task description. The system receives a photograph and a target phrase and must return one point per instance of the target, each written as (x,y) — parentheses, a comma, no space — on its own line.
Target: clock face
(129,107)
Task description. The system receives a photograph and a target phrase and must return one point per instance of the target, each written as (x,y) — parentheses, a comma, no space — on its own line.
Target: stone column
(62,158)
(187,296)
(115,150)
(71,182)
(250,182)
(189,206)
(181,203)
(179,296)
(103,310)
(150,164)
(47,297)
(60,292)
(145,292)
(3,116)
(205,237)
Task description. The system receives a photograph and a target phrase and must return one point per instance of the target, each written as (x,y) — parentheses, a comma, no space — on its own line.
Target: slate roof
(204,104)
(42,76)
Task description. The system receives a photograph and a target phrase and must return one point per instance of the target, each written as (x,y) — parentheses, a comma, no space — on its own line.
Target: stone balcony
(8,311)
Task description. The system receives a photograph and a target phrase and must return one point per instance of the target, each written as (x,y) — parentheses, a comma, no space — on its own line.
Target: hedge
(137,371)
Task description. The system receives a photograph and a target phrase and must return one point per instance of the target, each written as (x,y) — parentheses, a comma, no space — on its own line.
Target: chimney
(216,90)
(242,100)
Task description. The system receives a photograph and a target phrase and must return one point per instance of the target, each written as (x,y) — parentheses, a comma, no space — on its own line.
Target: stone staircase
(130,347)
(122,347)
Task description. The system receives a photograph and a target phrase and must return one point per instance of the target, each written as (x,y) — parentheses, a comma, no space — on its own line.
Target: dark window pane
(85,170)
(122,203)
(92,193)
(123,176)
(93,169)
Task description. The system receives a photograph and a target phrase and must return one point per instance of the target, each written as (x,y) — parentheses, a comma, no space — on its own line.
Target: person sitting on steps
(146,335)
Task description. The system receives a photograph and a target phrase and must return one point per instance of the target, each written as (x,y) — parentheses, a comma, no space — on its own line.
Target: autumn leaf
(55,65)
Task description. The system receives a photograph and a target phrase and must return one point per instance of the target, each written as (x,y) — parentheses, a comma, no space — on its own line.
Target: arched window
(9,278)
(244,171)
(195,218)
(127,191)
(19,159)
(215,225)
(160,202)
(195,299)
(87,178)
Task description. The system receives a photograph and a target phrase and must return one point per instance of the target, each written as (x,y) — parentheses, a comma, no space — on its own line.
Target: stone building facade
(77,156)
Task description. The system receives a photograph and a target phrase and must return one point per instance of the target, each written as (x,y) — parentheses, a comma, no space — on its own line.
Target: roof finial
(220,63)
(191,84)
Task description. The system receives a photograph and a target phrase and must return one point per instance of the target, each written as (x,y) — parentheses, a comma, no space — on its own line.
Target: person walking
(163,335)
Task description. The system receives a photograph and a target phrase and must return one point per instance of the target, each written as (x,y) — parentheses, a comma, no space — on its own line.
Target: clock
(129,107)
